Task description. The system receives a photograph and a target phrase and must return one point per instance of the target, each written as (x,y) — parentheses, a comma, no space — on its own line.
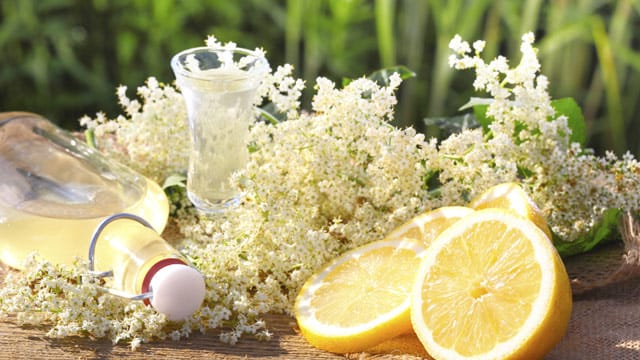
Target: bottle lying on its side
(64,200)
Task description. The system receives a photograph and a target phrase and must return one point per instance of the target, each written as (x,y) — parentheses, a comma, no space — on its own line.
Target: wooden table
(30,343)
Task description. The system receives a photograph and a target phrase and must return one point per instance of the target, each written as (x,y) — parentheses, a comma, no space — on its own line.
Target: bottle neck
(130,249)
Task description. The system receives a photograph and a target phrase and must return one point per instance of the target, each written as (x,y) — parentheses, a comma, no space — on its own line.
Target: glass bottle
(59,197)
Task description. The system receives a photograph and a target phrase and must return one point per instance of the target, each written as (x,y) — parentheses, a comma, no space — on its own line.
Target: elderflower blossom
(315,187)
(324,182)
(572,186)
(152,138)
(283,90)
(72,301)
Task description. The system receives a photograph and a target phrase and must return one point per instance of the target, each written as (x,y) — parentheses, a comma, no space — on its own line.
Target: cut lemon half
(512,197)
(361,298)
(428,225)
(492,286)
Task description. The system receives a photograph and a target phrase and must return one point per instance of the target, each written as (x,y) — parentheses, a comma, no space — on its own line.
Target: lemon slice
(491,287)
(427,226)
(512,197)
(361,298)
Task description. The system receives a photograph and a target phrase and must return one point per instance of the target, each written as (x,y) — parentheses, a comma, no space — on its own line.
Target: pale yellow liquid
(220,108)
(126,247)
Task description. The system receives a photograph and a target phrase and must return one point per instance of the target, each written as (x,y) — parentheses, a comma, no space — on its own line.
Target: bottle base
(214,207)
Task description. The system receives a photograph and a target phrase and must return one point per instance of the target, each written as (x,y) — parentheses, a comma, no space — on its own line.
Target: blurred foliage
(64,58)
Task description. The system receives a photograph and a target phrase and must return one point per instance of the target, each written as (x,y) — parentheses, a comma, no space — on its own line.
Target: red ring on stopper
(153,270)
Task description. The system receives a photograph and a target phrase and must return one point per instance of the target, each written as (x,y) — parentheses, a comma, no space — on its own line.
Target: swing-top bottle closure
(170,286)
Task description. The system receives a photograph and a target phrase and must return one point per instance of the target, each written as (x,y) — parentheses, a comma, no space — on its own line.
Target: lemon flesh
(428,225)
(491,286)
(362,298)
(510,196)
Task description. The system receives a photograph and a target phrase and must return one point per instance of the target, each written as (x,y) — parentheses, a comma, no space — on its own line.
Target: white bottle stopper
(178,291)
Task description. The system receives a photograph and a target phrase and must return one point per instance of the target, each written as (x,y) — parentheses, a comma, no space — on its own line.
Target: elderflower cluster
(518,95)
(152,137)
(283,90)
(324,182)
(280,87)
(72,302)
(213,43)
(314,187)
(572,186)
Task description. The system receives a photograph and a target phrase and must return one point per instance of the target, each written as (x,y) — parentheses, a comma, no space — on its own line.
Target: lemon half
(492,286)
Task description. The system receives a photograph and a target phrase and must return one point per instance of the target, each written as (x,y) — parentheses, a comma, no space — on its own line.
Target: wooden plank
(31,343)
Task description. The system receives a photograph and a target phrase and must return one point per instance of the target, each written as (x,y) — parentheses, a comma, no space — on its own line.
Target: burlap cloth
(605,324)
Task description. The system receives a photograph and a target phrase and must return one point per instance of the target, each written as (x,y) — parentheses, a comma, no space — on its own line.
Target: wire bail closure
(109,273)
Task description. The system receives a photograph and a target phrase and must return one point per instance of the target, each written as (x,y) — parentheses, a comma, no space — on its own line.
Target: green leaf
(178,180)
(452,125)
(252,147)
(382,76)
(270,114)
(431,182)
(480,112)
(524,172)
(605,230)
(90,138)
(570,108)
(476,101)
(479,106)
